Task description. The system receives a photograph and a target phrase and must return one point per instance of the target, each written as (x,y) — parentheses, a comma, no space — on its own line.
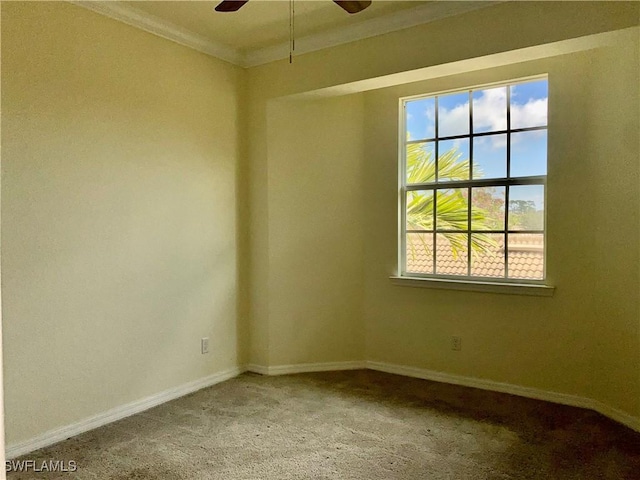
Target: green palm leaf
(452,210)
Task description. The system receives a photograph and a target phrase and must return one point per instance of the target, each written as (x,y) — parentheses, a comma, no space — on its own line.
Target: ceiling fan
(347,6)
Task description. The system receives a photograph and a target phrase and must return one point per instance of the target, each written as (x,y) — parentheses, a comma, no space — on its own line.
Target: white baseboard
(548,396)
(305,368)
(616,415)
(562,398)
(253,368)
(419,373)
(54,436)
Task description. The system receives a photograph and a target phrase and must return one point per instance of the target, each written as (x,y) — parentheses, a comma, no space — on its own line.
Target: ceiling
(260,23)
(259,32)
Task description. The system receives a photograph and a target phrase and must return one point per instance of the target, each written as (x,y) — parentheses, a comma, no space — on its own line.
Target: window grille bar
(443,184)
(469,199)
(479,134)
(481,182)
(530,232)
(434,246)
(508,186)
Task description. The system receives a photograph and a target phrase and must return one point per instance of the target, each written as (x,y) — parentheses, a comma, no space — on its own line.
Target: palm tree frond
(452,210)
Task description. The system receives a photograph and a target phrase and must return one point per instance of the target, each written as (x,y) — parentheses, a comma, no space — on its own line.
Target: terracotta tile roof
(525,252)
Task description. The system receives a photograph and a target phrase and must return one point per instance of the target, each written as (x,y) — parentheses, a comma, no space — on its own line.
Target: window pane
(453,114)
(529,104)
(490,110)
(507,221)
(490,156)
(526,256)
(488,208)
(487,255)
(452,209)
(526,207)
(420,118)
(420,210)
(419,253)
(420,162)
(529,153)
(451,254)
(453,160)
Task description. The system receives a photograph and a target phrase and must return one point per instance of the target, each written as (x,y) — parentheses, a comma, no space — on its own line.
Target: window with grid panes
(472,183)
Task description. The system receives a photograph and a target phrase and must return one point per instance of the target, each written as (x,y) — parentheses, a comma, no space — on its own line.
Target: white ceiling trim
(162,28)
(358,31)
(369,28)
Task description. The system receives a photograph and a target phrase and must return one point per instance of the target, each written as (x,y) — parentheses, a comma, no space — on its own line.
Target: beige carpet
(351,425)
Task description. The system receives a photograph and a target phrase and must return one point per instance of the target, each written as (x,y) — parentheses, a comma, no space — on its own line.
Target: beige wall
(613,124)
(152,195)
(500,28)
(119,162)
(315,230)
(583,341)
(587,332)
(3,473)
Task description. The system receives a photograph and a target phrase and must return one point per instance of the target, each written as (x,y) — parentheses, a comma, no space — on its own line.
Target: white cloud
(531,114)
(490,114)
(457,143)
(494,141)
(454,121)
(431,119)
(490,110)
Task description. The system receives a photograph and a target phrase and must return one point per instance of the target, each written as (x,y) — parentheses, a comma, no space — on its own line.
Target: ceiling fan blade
(353,6)
(230,5)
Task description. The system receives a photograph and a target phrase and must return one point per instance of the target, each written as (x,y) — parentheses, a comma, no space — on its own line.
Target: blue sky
(528,109)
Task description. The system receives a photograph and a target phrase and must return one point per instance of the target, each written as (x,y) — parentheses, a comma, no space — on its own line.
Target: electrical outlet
(204,345)
(456,343)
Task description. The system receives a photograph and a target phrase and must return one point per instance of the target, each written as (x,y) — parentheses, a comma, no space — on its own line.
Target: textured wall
(587,332)
(119,157)
(315,230)
(134,169)
(583,341)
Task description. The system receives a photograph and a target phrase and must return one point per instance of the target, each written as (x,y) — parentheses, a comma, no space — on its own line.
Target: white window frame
(467,282)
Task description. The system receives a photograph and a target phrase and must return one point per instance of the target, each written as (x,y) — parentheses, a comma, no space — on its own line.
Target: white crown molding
(149,23)
(411,17)
(59,434)
(358,31)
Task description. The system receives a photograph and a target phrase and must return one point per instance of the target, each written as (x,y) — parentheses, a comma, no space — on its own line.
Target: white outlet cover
(204,345)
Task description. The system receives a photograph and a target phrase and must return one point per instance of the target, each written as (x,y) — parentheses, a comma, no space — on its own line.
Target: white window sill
(475,286)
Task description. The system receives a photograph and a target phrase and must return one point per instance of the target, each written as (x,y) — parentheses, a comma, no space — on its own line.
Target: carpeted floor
(361,425)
